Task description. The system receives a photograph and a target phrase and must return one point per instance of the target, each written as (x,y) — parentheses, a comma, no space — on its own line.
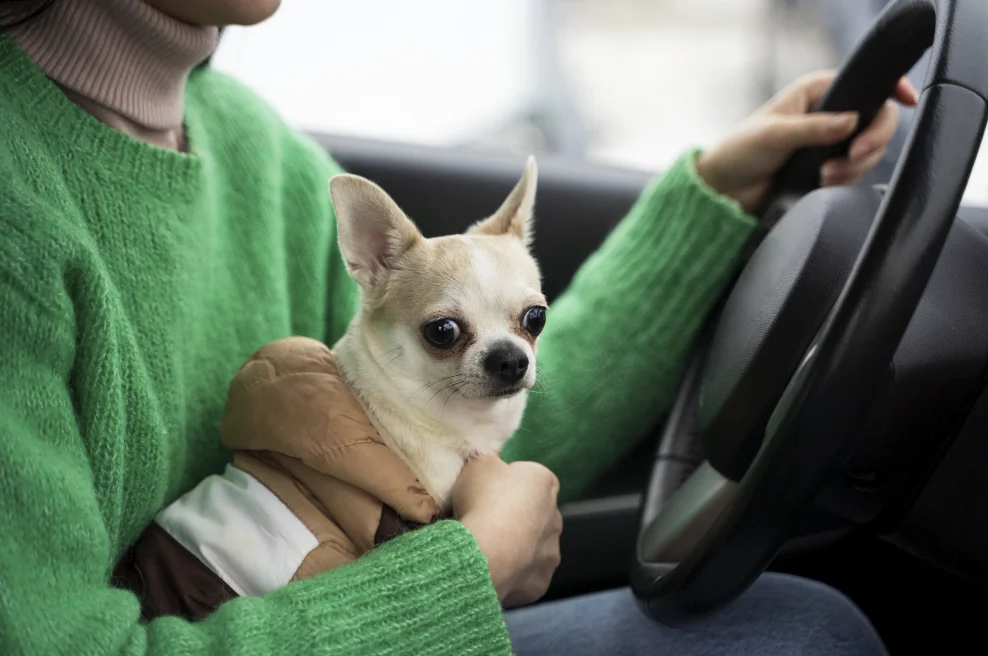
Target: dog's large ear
(373,231)
(514,217)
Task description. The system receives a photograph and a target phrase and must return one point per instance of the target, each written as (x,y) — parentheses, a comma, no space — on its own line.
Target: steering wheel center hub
(776,308)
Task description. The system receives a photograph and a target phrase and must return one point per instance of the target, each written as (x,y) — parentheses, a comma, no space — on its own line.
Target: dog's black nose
(506,362)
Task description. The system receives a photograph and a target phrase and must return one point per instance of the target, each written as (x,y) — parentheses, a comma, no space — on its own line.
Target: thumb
(815,129)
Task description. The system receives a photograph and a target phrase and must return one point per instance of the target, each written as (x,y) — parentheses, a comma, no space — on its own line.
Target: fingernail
(845,122)
(913,92)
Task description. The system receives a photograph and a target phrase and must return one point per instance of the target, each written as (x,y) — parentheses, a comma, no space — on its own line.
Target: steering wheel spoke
(687,516)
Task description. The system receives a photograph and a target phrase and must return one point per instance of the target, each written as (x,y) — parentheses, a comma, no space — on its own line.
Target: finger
(812,87)
(556,525)
(515,598)
(534,584)
(849,168)
(536,587)
(532,468)
(554,560)
(551,555)
(819,129)
(878,134)
(838,172)
(801,95)
(540,472)
(841,176)
(546,565)
(838,180)
(906,93)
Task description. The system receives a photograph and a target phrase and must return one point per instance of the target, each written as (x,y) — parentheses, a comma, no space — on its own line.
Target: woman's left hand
(743,164)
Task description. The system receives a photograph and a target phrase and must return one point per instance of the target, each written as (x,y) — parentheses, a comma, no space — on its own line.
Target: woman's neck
(120,60)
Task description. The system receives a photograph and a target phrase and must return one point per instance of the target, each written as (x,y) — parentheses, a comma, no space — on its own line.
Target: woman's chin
(218,13)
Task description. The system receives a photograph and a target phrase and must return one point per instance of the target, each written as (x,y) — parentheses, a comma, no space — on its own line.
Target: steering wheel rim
(715,536)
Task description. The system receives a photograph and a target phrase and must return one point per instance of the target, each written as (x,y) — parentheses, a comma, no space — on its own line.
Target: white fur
(436,412)
(434,436)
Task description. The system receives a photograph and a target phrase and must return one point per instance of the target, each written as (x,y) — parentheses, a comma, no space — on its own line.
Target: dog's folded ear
(514,217)
(373,231)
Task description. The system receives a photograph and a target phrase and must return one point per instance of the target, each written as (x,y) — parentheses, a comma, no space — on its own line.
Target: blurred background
(623,82)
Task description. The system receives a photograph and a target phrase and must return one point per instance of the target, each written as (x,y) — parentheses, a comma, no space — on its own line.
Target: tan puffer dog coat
(312,486)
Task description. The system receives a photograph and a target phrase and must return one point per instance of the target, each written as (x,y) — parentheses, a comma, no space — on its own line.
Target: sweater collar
(122,55)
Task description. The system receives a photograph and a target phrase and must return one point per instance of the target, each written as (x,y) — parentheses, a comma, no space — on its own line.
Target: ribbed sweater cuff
(427,592)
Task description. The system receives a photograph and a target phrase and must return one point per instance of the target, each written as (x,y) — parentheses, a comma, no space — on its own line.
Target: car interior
(864,309)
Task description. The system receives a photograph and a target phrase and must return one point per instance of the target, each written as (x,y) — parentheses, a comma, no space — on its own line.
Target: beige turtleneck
(122,61)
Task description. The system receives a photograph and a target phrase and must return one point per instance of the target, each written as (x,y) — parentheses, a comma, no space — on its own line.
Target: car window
(623,82)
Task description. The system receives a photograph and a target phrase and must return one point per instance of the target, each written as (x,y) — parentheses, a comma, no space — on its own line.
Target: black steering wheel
(773,394)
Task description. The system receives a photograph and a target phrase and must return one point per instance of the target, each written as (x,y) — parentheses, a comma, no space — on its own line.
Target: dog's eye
(534,320)
(442,333)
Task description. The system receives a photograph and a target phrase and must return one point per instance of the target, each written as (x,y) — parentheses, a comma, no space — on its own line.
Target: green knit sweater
(133,283)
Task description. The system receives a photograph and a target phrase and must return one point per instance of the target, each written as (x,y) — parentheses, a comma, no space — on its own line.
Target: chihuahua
(442,351)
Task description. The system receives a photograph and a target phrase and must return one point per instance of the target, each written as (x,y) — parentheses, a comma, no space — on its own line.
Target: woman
(158,223)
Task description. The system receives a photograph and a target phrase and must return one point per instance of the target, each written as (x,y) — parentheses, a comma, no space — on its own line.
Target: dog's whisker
(539,387)
(455,390)
(381,355)
(441,390)
(421,389)
(390,362)
(444,387)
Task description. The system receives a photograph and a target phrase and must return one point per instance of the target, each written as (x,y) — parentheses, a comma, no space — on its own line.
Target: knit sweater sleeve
(616,341)
(424,593)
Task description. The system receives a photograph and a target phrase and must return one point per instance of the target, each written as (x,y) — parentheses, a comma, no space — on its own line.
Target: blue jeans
(777,616)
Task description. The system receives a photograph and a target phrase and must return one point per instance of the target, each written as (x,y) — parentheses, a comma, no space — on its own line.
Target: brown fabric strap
(391,525)
(168,579)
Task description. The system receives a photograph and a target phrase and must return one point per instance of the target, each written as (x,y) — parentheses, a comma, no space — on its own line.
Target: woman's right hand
(511,511)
